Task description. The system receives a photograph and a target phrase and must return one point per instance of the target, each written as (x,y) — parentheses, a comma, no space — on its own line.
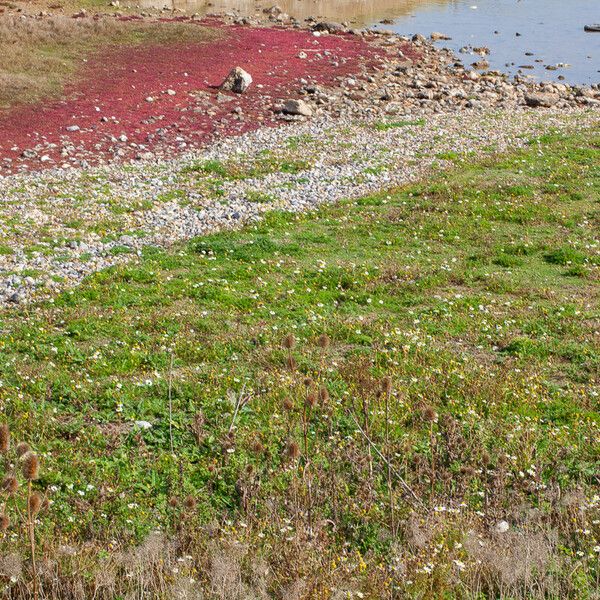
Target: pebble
(158,205)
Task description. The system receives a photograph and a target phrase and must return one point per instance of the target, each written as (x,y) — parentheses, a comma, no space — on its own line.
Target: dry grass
(38,56)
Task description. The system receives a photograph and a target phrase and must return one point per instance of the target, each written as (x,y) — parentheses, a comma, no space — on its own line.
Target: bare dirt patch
(40,55)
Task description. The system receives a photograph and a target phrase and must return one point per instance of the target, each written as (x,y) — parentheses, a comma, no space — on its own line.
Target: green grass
(386,125)
(457,288)
(238,170)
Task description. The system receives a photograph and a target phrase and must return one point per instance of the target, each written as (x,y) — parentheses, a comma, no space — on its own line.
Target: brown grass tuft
(39,55)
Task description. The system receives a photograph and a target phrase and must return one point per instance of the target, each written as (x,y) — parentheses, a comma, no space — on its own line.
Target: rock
(297,107)
(143,424)
(237,81)
(273,11)
(585,93)
(501,527)
(386,95)
(73,128)
(221,98)
(437,36)
(15,298)
(542,99)
(329,26)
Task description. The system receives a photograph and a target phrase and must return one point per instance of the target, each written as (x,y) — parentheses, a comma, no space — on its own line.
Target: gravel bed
(61,225)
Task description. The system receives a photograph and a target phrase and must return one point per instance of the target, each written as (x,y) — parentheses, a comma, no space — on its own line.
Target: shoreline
(111,175)
(154,102)
(66,228)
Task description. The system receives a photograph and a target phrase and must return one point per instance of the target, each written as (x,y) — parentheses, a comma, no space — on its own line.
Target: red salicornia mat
(130,102)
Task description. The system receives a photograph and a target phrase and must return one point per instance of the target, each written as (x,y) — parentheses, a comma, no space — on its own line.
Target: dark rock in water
(481,65)
(595,28)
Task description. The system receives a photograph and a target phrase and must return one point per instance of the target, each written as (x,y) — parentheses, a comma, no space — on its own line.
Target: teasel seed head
(10,485)
(311,399)
(307,382)
(4,522)
(288,404)
(429,414)
(4,438)
(292,363)
(323,394)
(289,341)
(386,385)
(485,459)
(35,503)
(189,502)
(293,450)
(30,466)
(468,471)
(173,502)
(324,341)
(258,447)
(22,448)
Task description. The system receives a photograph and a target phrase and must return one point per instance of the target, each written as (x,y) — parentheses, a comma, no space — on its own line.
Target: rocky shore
(159,102)
(362,111)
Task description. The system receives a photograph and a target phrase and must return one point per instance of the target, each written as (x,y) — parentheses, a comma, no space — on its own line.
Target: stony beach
(362,111)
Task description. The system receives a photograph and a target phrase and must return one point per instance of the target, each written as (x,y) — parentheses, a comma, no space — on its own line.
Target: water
(551,31)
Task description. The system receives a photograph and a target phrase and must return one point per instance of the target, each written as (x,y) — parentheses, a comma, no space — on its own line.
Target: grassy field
(39,56)
(395,397)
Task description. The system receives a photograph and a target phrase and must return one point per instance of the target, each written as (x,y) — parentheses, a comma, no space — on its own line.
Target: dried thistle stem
(31,531)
